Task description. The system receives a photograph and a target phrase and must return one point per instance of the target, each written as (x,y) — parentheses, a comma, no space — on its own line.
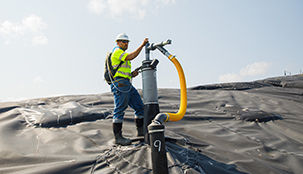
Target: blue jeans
(125,94)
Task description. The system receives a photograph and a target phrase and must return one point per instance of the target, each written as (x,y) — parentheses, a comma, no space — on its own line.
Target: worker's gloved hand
(135,73)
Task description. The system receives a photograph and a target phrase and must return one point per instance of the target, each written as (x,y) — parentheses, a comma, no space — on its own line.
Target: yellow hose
(183,93)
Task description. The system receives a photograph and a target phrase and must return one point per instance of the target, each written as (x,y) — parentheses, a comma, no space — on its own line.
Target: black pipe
(150,111)
(157,144)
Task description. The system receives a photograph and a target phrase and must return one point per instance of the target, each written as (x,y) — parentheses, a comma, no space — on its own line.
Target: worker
(125,94)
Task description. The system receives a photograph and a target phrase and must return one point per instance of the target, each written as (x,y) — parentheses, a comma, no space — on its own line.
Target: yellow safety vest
(125,69)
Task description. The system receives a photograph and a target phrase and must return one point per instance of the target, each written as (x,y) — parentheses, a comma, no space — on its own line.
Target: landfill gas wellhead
(153,119)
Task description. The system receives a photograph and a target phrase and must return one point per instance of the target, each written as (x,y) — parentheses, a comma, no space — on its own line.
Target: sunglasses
(124,41)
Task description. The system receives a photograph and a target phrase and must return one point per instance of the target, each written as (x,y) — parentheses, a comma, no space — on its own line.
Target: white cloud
(33,23)
(36,84)
(30,25)
(36,88)
(255,69)
(7,42)
(96,6)
(230,77)
(39,40)
(38,81)
(12,30)
(166,2)
(116,8)
(137,8)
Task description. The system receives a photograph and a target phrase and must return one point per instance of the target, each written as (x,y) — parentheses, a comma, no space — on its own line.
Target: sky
(54,48)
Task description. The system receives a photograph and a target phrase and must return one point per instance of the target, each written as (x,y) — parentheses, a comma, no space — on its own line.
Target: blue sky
(53,48)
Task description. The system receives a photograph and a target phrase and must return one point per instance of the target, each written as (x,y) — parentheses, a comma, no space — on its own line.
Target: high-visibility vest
(125,69)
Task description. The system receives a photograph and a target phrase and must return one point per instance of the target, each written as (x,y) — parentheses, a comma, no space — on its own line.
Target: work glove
(135,73)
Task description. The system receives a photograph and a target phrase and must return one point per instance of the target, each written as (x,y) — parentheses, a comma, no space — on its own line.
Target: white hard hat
(122,36)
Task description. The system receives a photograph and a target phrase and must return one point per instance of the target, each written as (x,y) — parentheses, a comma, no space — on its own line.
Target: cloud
(39,40)
(38,81)
(35,88)
(30,25)
(116,8)
(96,6)
(7,42)
(33,23)
(255,69)
(166,2)
(230,77)
(36,84)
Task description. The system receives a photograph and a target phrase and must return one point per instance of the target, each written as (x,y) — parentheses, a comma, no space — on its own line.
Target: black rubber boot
(139,126)
(119,139)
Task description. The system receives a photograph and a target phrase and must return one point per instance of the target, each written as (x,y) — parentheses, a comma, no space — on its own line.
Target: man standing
(125,94)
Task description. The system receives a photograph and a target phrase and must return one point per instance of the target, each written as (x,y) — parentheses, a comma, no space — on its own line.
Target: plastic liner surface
(66,114)
(250,127)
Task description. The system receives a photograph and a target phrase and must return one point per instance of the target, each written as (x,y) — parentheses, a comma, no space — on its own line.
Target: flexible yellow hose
(183,93)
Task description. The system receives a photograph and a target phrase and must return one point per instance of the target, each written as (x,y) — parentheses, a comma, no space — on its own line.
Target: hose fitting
(161,118)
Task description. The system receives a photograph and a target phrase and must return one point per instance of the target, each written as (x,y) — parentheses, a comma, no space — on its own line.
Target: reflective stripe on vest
(124,73)
(121,56)
(123,65)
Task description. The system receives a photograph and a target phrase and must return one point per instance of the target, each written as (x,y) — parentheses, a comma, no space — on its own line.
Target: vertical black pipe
(157,144)
(150,111)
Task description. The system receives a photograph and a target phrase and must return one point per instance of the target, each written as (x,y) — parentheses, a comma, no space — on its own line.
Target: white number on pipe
(157,143)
